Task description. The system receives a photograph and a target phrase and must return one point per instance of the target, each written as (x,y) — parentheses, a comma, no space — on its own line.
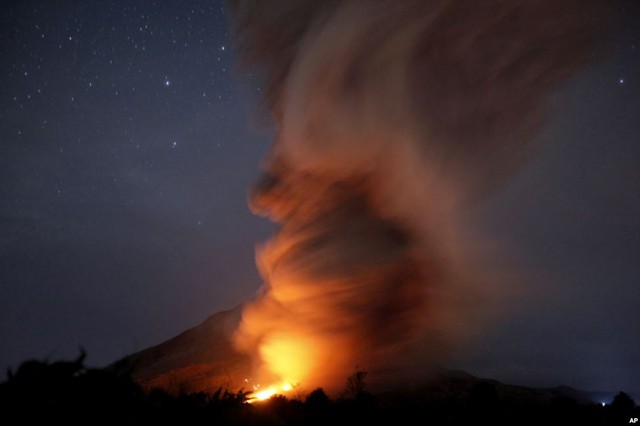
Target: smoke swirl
(394,118)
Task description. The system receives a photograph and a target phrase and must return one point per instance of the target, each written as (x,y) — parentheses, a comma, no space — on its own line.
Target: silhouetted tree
(622,407)
(623,402)
(356,385)
(318,399)
(317,408)
(280,410)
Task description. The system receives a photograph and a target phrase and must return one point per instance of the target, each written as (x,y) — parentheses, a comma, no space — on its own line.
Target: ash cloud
(393,120)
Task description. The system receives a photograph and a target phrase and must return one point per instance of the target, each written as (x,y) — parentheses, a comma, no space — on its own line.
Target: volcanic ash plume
(393,119)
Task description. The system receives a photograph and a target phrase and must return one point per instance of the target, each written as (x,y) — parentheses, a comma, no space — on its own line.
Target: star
(621,81)
(174,144)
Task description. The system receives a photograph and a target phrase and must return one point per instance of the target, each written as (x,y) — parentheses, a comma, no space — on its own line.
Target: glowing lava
(262,395)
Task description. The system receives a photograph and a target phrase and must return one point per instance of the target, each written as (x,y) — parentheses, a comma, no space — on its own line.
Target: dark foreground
(68,393)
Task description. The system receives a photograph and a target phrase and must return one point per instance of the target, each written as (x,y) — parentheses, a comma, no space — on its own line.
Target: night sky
(130,142)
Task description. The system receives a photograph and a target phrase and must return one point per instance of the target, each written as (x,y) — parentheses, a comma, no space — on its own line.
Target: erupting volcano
(393,121)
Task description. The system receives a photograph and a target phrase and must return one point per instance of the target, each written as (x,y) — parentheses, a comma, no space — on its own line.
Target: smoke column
(393,120)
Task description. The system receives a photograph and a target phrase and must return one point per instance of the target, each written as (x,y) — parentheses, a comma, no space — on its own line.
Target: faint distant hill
(203,359)
(454,385)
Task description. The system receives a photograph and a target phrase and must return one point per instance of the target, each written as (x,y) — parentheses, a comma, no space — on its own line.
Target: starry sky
(130,142)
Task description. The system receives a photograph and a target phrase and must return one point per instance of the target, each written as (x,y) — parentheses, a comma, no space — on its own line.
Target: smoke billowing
(393,119)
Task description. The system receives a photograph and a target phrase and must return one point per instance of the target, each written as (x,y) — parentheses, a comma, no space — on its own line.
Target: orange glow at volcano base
(287,357)
(288,360)
(263,395)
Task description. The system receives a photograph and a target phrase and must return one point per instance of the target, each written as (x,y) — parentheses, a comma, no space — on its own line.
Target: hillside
(200,359)
(203,359)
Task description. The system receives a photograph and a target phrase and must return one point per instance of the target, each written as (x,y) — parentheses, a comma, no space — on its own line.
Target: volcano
(203,359)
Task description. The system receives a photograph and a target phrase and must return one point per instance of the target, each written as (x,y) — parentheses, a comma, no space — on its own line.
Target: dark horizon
(70,392)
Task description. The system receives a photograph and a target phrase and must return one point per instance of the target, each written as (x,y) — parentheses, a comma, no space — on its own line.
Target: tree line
(69,393)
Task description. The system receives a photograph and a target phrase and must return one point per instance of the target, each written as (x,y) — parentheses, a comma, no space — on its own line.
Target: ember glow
(393,120)
(260,394)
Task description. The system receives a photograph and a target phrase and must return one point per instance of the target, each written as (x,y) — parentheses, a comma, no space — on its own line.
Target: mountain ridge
(203,359)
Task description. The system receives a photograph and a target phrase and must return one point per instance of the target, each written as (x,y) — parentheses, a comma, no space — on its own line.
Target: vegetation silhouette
(69,393)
